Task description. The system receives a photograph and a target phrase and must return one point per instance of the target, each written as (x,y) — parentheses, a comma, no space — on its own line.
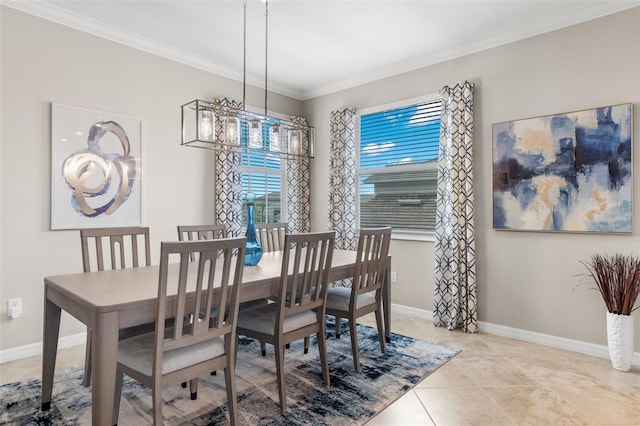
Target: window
(398,165)
(262,174)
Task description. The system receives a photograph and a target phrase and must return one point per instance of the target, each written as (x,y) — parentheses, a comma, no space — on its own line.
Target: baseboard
(528,336)
(36,348)
(601,351)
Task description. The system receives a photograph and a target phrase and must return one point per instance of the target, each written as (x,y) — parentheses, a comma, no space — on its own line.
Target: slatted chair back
(126,247)
(118,248)
(305,273)
(218,275)
(201,232)
(371,261)
(271,235)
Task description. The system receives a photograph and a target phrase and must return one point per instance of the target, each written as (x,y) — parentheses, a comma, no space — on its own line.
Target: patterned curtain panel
(342,178)
(298,190)
(228,186)
(454,296)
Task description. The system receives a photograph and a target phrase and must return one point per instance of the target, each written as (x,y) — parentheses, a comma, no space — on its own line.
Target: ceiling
(317,47)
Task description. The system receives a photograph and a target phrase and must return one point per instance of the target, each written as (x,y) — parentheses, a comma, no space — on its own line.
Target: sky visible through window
(401,136)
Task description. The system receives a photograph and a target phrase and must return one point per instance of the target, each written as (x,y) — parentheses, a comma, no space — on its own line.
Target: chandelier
(227,126)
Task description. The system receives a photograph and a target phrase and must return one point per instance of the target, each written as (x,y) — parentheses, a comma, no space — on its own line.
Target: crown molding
(594,11)
(63,17)
(78,22)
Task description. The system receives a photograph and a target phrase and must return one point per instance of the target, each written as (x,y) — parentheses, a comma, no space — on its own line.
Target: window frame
(409,235)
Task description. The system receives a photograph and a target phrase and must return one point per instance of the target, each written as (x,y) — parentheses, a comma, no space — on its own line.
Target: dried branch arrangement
(618,279)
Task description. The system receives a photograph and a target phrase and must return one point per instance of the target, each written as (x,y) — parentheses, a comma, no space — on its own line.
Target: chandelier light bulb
(274,138)
(206,125)
(255,134)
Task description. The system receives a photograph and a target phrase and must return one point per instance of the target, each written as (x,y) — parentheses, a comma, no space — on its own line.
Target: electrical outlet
(394,276)
(15,308)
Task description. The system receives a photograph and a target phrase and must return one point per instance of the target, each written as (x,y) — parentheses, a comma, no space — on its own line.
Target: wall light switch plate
(14,308)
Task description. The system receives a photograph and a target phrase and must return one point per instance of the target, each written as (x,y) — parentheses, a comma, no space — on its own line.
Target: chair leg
(263,348)
(322,347)
(156,399)
(354,343)
(232,397)
(338,325)
(280,373)
(193,388)
(306,345)
(380,324)
(87,361)
(116,398)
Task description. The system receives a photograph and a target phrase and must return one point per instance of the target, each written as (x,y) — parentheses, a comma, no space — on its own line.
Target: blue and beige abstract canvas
(568,172)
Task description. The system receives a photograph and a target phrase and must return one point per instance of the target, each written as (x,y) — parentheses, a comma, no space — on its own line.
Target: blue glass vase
(254,250)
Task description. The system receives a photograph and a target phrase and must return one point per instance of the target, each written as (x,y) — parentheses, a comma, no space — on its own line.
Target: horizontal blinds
(406,135)
(261,184)
(261,159)
(262,175)
(398,167)
(266,187)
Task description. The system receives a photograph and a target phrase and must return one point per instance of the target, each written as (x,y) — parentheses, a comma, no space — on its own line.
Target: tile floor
(493,381)
(501,381)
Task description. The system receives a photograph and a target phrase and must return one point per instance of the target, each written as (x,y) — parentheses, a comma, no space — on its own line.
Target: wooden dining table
(107,301)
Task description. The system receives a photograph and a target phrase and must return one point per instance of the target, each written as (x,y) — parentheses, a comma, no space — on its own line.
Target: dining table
(110,300)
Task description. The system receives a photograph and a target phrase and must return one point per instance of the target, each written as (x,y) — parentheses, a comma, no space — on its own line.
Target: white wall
(525,280)
(42,62)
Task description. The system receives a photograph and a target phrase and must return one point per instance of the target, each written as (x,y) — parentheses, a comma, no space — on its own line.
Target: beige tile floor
(501,381)
(493,381)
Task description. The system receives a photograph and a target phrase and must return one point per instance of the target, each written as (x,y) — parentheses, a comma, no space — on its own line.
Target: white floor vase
(620,340)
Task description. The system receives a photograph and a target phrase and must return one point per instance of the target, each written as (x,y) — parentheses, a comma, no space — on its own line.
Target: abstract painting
(95,169)
(567,172)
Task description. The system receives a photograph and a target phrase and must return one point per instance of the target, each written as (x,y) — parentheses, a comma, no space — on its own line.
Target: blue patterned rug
(352,399)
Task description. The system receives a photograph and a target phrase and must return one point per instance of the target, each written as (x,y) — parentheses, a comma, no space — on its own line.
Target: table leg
(51,331)
(386,302)
(104,355)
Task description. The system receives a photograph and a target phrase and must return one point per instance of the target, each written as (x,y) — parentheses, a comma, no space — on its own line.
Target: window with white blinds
(262,174)
(397,170)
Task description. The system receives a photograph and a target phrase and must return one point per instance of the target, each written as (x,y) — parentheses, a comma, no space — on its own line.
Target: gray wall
(525,280)
(43,62)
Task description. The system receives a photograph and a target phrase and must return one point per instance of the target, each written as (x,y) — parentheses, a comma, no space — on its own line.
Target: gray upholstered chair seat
(338,298)
(263,319)
(137,353)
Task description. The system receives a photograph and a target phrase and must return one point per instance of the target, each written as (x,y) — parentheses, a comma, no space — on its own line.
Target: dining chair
(188,349)
(118,248)
(365,294)
(299,310)
(208,232)
(271,235)
(201,232)
(271,238)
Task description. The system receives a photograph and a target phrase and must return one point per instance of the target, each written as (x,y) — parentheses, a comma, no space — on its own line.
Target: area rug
(352,399)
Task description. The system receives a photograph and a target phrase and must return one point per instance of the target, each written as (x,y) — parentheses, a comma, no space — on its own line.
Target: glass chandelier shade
(227,126)
(212,125)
